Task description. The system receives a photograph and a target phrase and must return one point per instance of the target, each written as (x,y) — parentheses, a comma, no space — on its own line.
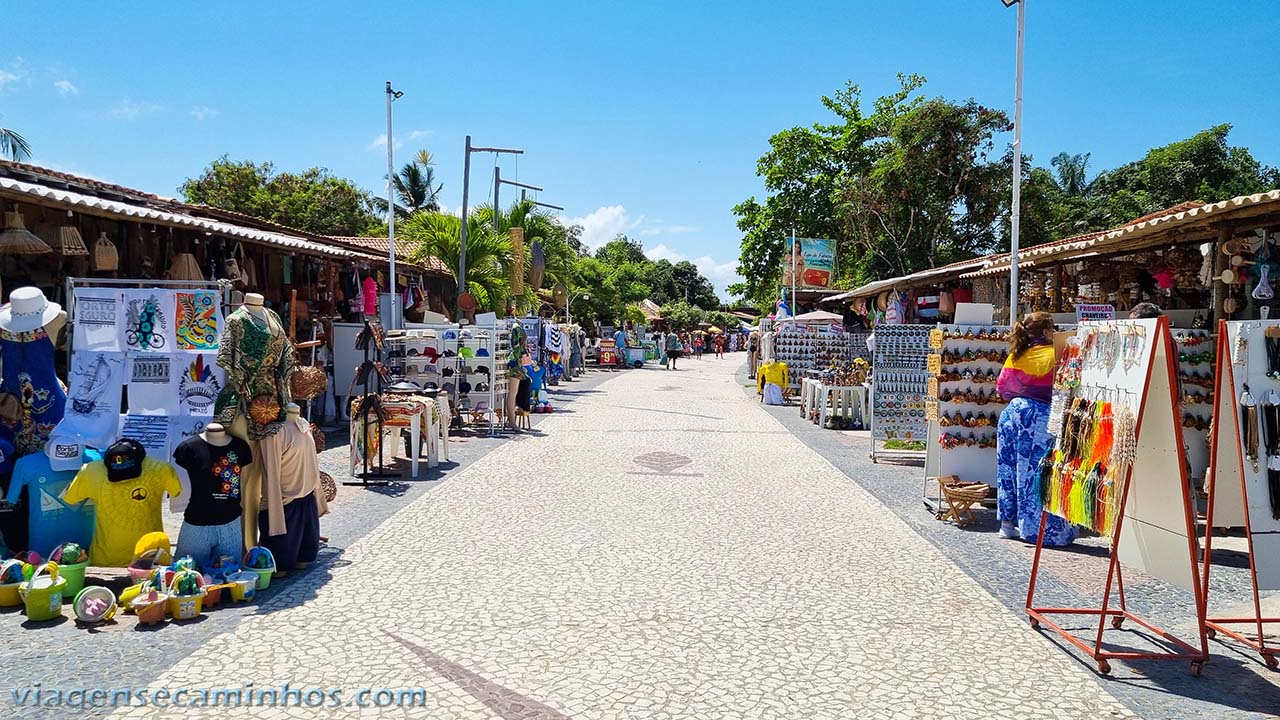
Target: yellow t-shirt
(124,510)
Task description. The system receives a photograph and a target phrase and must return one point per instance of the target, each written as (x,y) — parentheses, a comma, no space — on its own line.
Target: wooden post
(1055,305)
(1219,264)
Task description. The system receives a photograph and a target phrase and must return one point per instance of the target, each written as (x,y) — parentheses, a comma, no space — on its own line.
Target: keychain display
(900,386)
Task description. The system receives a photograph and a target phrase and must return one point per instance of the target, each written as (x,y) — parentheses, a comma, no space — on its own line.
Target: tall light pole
(392,96)
(466,187)
(1015,219)
(499,182)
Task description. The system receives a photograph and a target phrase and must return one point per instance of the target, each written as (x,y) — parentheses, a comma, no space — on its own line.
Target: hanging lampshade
(18,240)
(68,242)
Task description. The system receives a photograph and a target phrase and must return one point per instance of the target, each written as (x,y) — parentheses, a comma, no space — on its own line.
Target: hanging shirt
(215,472)
(124,510)
(369,294)
(53,521)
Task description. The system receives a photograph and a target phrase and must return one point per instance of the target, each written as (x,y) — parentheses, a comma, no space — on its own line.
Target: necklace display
(1249,426)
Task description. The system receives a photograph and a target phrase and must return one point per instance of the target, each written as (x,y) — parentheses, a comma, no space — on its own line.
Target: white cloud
(721,274)
(128,109)
(7,77)
(203,112)
(381,142)
(66,87)
(603,224)
(416,135)
(661,229)
(15,72)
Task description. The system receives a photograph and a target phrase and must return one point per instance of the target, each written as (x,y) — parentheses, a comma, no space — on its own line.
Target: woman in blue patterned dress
(1022,436)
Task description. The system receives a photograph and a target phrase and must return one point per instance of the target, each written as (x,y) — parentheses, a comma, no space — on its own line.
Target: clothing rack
(378,475)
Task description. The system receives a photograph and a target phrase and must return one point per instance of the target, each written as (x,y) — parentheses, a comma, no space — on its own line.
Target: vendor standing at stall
(620,342)
(1022,435)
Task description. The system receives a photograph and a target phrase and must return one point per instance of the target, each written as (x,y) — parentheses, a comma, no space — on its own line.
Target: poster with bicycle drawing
(148,321)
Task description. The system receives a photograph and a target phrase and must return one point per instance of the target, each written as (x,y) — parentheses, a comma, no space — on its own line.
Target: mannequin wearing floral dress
(29,328)
(258,359)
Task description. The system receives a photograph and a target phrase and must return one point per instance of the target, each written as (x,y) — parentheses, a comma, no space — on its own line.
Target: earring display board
(899,389)
(964,407)
(804,350)
(1118,467)
(1196,379)
(1244,481)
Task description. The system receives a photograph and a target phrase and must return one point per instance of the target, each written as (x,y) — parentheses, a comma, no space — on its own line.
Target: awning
(138,212)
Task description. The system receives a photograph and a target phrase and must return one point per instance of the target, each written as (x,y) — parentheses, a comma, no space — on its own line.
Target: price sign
(931,410)
(933,387)
(935,338)
(935,363)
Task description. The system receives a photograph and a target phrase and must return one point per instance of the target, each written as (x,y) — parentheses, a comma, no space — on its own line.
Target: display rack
(899,388)
(1118,466)
(1196,381)
(964,406)
(371,386)
(1243,487)
(804,350)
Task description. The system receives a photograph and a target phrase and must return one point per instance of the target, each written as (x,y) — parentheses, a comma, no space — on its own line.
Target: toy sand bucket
(150,607)
(73,573)
(94,604)
(42,594)
(187,606)
(150,551)
(9,570)
(264,573)
(213,595)
(244,585)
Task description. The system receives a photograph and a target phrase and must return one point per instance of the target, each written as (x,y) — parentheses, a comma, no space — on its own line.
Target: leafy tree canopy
(314,200)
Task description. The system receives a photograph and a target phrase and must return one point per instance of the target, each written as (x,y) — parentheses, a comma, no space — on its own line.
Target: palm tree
(416,187)
(488,254)
(14,146)
(557,252)
(1073,171)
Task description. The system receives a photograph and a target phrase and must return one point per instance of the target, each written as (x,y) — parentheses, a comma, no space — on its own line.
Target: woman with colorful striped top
(1022,435)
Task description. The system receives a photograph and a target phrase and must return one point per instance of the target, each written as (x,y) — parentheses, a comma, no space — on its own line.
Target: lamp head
(1010,3)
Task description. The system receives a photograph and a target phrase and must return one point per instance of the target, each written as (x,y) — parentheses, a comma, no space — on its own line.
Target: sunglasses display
(901,382)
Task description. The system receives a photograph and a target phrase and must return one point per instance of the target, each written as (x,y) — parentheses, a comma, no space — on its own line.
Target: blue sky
(643,118)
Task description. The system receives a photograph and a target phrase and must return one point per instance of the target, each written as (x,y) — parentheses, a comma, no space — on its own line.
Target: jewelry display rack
(1244,477)
(1196,378)
(803,351)
(899,388)
(373,348)
(1118,466)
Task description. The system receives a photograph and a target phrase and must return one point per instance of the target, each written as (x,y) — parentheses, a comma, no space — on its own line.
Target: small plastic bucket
(150,612)
(9,591)
(264,576)
(101,614)
(185,607)
(244,585)
(73,573)
(42,594)
(213,595)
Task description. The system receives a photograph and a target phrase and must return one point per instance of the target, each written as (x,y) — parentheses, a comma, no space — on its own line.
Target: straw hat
(27,310)
(18,240)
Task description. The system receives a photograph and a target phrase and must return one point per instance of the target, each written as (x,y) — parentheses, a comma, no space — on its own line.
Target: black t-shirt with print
(215,472)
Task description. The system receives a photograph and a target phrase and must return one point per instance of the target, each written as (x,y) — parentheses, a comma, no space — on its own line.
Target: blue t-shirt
(620,339)
(53,522)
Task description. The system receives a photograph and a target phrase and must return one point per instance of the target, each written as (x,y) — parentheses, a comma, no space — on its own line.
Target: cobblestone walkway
(666,550)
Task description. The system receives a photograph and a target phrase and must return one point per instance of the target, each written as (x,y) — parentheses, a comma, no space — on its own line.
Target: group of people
(672,346)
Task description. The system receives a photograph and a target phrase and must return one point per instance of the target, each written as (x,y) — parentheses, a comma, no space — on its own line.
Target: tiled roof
(382,246)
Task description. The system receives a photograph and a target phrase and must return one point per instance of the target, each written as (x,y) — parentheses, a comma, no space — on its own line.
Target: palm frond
(14,146)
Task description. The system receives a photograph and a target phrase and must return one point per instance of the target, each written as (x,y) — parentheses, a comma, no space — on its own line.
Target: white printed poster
(97,319)
(199,382)
(95,382)
(151,431)
(152,384)
(148,321)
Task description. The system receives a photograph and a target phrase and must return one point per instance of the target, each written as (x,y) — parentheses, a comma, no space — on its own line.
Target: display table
(424,418)
(819,402)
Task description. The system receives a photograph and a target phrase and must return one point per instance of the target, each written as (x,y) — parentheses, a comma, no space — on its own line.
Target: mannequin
(31,398)
(299,480)
(216,465)
(258,359)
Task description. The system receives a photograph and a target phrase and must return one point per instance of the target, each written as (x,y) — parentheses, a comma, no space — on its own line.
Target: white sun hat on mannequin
(27,310)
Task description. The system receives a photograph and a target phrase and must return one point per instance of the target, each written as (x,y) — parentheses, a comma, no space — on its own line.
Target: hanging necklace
(1249,426)
(1135,341)
(1272,339)
(1240,355)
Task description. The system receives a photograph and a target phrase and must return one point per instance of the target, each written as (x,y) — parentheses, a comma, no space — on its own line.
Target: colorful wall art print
(148,320)
(196,319)
(199,383)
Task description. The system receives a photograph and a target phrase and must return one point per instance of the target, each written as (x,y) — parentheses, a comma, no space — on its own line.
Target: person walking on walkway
(1022,435)
(697,346)
(674,349)
(719,345)
(753,354)
(620,343)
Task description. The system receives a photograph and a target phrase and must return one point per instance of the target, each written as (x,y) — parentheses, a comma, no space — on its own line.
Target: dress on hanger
(28,373)
(258,358)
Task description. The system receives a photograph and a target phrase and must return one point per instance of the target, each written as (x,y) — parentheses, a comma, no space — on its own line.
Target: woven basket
(105,257)
(185,267)
(308,382)
(329,486)
(318,436)
(69,243)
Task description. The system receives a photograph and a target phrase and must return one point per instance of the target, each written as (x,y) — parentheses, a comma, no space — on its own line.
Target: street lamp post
(466,187)
(392,96)
(1015,219)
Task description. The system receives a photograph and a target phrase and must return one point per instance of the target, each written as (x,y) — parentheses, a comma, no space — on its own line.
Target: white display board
(1240,493)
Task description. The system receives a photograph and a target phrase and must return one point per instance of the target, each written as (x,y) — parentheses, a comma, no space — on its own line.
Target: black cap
(124,460)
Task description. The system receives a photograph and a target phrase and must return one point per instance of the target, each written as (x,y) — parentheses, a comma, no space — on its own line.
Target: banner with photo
(814,261)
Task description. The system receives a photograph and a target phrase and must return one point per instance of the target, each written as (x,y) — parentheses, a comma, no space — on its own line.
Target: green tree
(313,201)
(416,186)
(620,250)
(680,315)
(14,146)
(488,254)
